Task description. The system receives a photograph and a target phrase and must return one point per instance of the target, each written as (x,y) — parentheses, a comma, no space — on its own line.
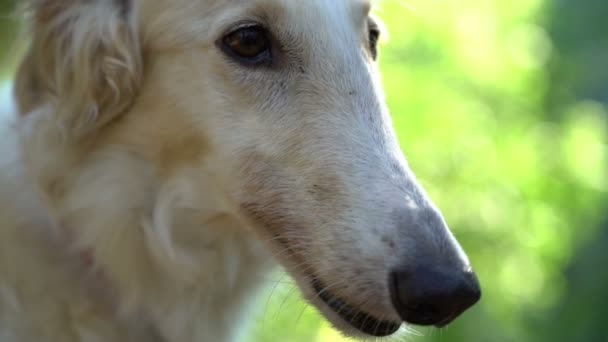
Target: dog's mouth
(358,319)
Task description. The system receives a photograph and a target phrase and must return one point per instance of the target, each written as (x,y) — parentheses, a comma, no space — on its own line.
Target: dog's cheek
(262,197)
(264,200)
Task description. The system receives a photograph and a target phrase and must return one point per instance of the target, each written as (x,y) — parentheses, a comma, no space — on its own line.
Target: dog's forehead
(363,6)
(294,13)
(316,8)
(182,22)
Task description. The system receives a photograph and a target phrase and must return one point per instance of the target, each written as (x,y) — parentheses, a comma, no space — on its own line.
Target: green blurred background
(501,109)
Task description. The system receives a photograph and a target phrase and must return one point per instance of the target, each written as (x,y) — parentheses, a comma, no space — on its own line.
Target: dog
(166,155)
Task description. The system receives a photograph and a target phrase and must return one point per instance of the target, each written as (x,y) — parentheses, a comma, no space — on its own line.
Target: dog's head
(269,109)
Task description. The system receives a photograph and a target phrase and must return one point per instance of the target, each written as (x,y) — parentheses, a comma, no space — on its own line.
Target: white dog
(166,153)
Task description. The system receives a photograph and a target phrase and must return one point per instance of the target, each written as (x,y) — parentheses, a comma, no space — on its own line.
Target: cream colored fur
(148,183)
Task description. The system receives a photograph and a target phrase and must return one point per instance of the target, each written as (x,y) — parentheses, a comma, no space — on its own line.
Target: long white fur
(145,180)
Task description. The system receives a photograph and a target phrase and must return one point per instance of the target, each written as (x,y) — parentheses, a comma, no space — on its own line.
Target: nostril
(430,297)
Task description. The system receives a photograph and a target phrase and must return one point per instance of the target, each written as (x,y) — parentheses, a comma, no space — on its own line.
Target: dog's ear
(84,62)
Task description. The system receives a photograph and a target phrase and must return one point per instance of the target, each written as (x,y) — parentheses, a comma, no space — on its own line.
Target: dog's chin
(349,320)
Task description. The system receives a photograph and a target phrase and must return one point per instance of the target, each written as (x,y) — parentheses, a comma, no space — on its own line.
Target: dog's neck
(162,240)
(163,248)
(202,300)
(194,289)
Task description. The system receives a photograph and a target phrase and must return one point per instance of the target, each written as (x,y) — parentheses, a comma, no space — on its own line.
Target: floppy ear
(84,62)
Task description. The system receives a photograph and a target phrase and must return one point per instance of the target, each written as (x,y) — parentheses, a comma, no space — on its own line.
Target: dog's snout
(427,296)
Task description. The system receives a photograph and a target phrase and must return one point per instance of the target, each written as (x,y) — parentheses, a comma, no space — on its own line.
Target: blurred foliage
(8,35)
(500,107)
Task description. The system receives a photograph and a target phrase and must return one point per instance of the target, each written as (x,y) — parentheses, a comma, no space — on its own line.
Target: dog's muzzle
(422,297)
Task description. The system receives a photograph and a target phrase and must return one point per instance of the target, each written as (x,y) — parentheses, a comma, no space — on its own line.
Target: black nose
(433,297)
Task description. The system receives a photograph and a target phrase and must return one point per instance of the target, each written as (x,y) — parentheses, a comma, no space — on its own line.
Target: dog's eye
(374,37)
(249,45)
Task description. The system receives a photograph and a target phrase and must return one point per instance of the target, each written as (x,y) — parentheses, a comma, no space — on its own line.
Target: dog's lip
(358,319)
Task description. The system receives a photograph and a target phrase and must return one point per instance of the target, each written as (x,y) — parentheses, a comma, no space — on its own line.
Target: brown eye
(249,45)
